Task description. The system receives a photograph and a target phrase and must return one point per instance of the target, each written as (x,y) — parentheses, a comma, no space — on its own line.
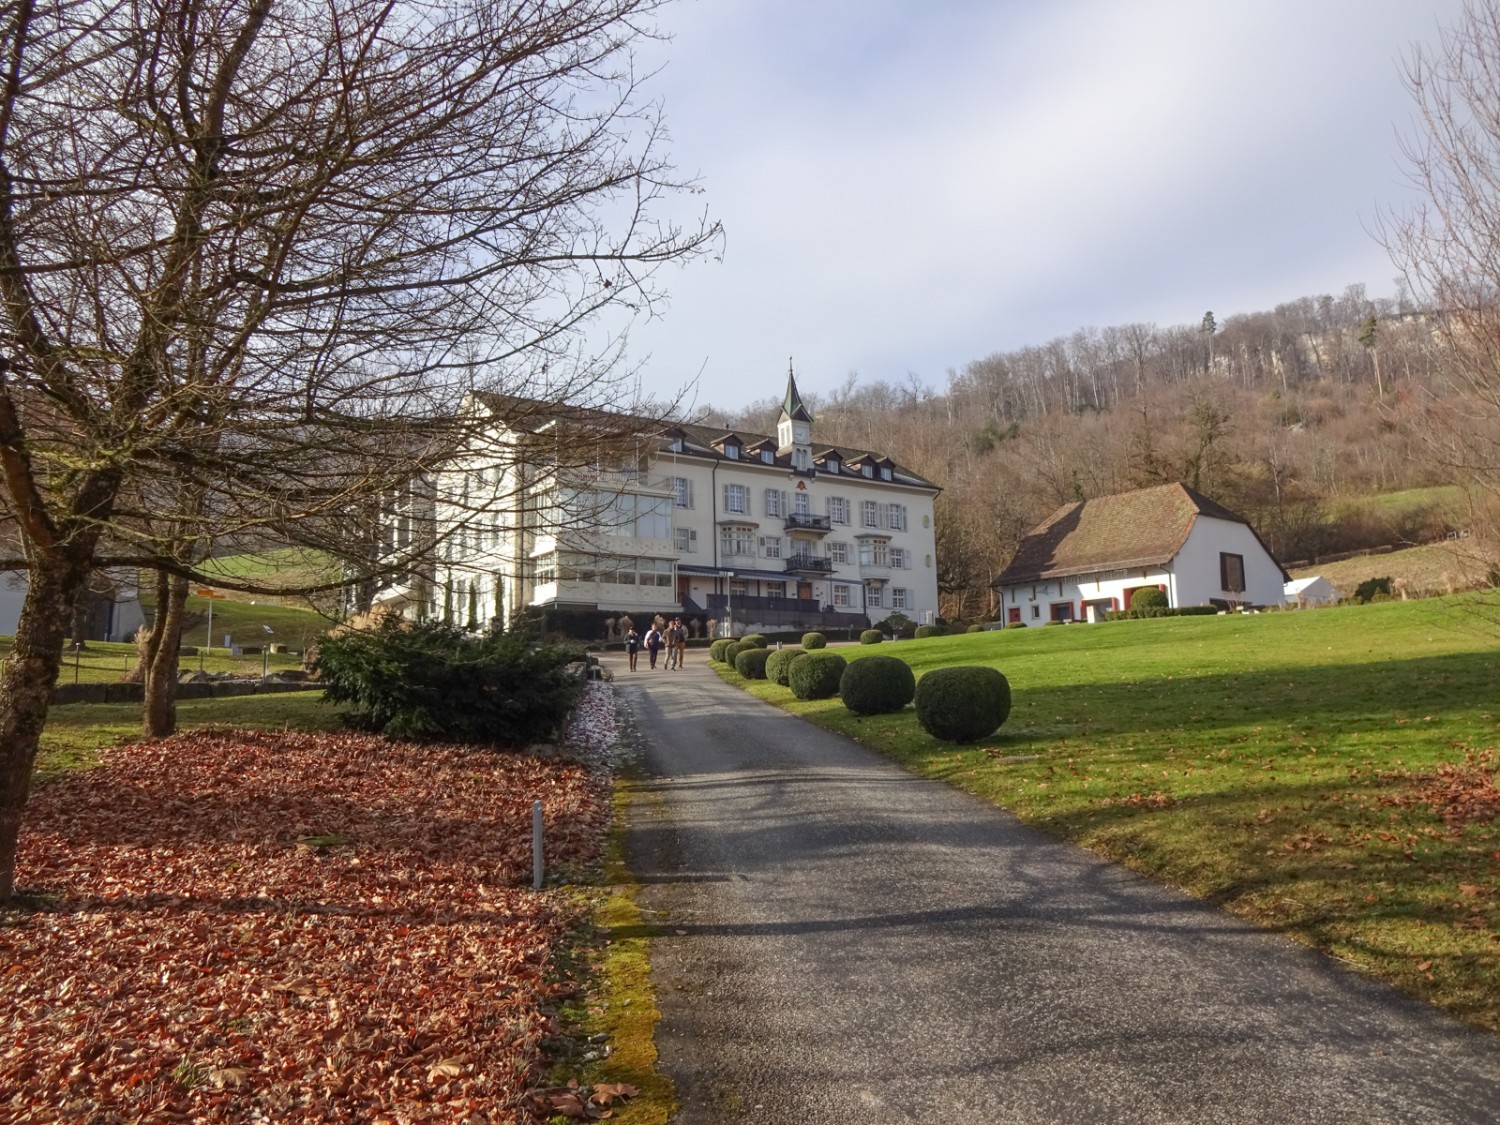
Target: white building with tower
(754,531)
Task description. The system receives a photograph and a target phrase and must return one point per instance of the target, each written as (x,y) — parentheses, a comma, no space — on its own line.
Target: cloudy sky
(906,186)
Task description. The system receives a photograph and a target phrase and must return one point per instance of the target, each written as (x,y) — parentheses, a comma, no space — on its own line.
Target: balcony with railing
(801,521)
(809,564)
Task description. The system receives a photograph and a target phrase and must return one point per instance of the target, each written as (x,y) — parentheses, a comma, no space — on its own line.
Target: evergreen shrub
(871,637)
(751,662)
(877,685)
(1017,625)
(1366,590)
(811,641)
(778,663)
(816,675)
(976,629)
(925,631)
(962,703)
(755,640)
(716,650)
(427,680)
(1148,597)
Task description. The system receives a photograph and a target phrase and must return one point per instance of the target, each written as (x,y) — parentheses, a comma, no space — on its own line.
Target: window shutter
(690,493)
(692,541)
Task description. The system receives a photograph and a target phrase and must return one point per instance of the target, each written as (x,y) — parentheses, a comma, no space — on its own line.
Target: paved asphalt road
(847,943)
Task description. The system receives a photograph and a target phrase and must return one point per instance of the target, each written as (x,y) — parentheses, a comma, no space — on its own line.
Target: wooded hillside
(1283,416)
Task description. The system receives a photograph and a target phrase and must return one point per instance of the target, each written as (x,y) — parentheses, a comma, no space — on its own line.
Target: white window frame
(737,499)
(838,509)
(838,552)
(841,596)
(873,596)
(802,503)
(869,513)
(734,540)
(900,597)
(775,503)
(895,515)
(770,546)
(682,492)
(685,540)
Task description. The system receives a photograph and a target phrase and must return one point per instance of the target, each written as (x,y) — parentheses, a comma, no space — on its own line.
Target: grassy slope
(1261,762)
(1440,568)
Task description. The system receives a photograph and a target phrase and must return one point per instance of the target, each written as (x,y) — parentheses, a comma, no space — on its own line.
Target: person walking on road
(632,646)
(669,638)
(653,643)
(681,642)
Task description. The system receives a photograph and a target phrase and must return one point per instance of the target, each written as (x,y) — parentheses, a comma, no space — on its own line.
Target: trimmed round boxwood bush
(877,685)
(975,629)
(753,639)
(778,663)
(1148,597)
(811,641)
(716,650)
(733,650)
(816,675)
(871,637)
(1018,625)
(751,663)
(962,703)
(925,631)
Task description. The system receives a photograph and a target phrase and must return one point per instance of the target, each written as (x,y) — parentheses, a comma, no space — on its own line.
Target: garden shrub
(925,631)
(1148,597)
(427,680)
(1366,590)
(962,703)
(816,675)
(897,625)
(871,637)
(811,641)
(733,649)
(755,640)
(716,650)
(976,629)
(751,662)
(778,664)
(877,685)
(1018,625)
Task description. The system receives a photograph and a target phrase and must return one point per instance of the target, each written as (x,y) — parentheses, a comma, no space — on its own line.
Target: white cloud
(910,190)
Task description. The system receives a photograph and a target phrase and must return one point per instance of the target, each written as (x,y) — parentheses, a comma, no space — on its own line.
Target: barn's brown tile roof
(1132,529)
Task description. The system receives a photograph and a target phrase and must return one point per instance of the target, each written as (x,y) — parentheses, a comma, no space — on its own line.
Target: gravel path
(843,941)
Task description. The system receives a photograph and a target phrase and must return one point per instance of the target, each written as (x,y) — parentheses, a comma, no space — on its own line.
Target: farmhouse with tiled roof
(1089,557)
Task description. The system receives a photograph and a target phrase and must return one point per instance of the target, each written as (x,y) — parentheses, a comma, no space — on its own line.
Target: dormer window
(675,445)
(867,470)
(732,452)
(767,457)
(885,472)
(832,464)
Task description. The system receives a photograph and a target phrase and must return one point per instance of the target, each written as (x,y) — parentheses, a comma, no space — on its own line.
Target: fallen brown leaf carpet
(288,927)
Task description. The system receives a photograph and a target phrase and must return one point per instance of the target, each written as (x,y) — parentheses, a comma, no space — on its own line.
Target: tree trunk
(146,656)
(26,680)
(159,717)
(78,630)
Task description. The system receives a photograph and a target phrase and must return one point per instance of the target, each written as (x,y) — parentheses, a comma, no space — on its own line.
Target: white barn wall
(1197,565)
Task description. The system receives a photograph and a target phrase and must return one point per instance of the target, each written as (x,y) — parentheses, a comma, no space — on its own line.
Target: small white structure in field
(1317,590)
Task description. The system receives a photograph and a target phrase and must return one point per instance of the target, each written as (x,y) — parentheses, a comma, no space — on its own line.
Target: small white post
(536,845)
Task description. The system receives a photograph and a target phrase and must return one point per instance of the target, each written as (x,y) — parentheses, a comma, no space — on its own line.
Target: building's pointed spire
(792,407)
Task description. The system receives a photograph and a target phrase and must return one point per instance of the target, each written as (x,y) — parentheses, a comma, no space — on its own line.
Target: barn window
(1232,573)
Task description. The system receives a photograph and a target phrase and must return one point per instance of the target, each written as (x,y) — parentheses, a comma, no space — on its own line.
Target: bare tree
(1446,247)
(254,255)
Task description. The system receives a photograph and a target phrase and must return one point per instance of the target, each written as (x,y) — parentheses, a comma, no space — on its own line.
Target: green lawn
(108,661)
(1272,763)
(77,732)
